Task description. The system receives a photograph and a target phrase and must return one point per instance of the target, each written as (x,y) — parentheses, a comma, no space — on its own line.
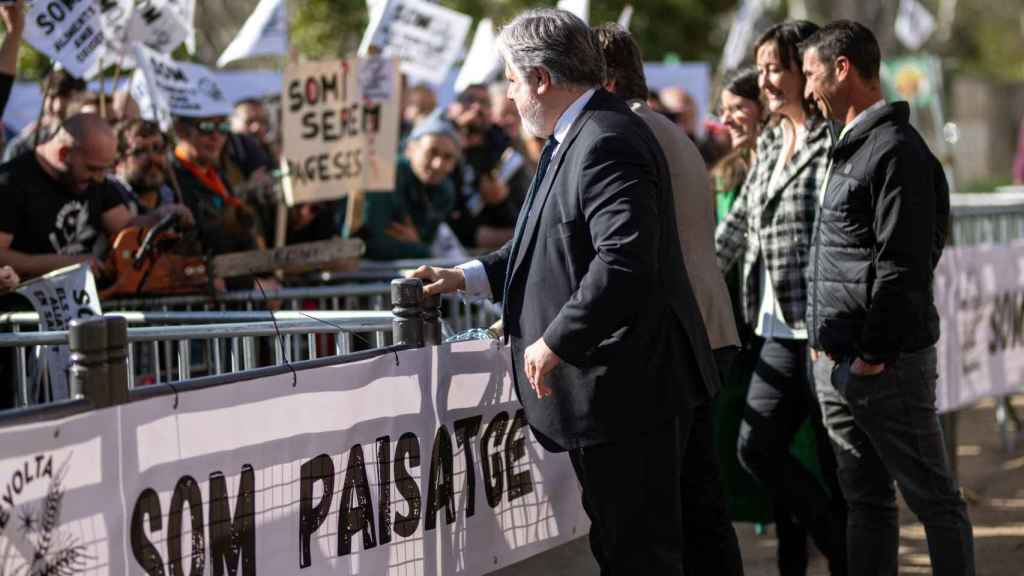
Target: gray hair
(557,41)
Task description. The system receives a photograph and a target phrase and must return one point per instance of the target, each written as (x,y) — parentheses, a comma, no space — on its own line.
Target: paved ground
(992,480)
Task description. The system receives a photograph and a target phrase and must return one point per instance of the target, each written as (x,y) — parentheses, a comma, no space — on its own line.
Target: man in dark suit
(603,323)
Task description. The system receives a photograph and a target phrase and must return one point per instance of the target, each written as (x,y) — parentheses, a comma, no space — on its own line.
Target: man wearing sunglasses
(225,223)
(142,173)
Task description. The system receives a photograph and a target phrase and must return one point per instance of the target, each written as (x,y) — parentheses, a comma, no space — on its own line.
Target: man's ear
(543,79)
(63,153)
(842,68)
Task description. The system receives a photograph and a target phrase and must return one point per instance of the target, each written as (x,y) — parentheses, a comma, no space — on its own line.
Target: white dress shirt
(477,285)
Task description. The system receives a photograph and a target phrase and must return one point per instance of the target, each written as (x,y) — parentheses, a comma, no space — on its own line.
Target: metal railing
(101,349)
(458,312)
(994,218)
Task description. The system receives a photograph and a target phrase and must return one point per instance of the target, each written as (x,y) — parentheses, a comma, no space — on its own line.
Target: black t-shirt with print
(44,217)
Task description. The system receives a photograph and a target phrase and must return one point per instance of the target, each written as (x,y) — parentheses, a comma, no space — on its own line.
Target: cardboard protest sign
(58,298)
(164,87)
(482,63)
(114,17)
(340,124)
(426,37)
(69,32)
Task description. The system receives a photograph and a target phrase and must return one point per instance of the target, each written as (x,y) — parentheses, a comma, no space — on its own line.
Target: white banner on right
(979,292)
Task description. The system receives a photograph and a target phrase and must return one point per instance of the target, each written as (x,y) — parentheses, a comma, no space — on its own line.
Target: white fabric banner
(418,462)
(482,63)
(340,122)
(164,87)
(979,292)
(162,25)
(60,509)
(914,24)
(70,33)
(264,33)
(426,37)
(626,16)
(60,297)
(580,8)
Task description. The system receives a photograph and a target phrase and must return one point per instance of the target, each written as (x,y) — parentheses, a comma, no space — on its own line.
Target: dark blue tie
(524,212)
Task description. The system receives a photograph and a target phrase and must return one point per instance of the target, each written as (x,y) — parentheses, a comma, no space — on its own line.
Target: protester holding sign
(225,223)
(59,201)
(403,224)
(484,215)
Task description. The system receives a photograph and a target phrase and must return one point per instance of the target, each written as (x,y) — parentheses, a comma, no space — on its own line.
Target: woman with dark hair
(770,226)
(743,116)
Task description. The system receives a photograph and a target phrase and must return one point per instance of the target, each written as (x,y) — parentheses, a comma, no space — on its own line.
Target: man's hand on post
(440,280)
(538,361)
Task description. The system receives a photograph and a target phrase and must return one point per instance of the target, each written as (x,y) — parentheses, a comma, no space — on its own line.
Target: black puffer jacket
(879,235)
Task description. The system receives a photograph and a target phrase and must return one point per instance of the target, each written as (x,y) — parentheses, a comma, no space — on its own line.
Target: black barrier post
(87,339)
(117,358)
(407,306)
(432,320)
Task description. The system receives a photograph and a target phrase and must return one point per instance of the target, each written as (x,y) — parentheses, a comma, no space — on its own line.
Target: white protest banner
(626,16)
(741,34)
(59,297)
(482,63)
(115,15)
(264,33)
(69,32)
(340,124)
(60,500)
(580,8)
(979,292)
(426,37)
(159,24)
(914,24)
(414,462)
(164,87)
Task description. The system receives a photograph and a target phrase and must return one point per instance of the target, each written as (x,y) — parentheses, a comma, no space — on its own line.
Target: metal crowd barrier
(991,218)
(172,346)
(101,350)
(459,313)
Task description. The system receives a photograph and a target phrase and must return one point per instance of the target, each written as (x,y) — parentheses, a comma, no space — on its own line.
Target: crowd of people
(593,203)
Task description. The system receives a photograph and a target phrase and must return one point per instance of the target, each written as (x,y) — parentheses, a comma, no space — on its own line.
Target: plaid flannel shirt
(775,225)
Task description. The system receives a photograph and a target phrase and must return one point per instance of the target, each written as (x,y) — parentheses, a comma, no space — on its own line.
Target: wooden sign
(340,124)
(294,258)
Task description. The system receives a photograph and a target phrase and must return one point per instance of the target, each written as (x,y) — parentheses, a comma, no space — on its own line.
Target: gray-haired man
(604,327)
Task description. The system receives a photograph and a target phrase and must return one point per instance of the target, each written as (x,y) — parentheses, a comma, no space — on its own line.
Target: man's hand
(184,215)
(492,190)
(8,279)
(861,368)
(405,231)
(440,280)
(538,361)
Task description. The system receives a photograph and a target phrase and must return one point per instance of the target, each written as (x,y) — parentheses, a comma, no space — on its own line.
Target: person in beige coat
(710,545)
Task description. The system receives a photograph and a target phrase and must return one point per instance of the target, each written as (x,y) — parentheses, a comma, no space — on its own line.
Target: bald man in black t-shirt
(58,201)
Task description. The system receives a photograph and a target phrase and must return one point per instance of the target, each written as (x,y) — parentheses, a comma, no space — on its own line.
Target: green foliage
(690,28)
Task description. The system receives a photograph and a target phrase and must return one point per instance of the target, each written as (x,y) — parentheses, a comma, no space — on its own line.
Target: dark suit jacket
(600,276)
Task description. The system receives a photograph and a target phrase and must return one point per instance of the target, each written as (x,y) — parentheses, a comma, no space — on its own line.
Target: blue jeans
(885,431)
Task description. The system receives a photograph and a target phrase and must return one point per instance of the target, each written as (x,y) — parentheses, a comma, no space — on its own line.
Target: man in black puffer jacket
(880,231)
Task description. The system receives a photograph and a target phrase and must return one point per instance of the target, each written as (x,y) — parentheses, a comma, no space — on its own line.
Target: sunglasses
(210,127)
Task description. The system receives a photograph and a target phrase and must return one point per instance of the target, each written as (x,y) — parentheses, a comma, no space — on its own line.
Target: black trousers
(779,400)
(631,494)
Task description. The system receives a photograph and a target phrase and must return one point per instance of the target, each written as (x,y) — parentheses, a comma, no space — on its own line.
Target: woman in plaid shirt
(770,225)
